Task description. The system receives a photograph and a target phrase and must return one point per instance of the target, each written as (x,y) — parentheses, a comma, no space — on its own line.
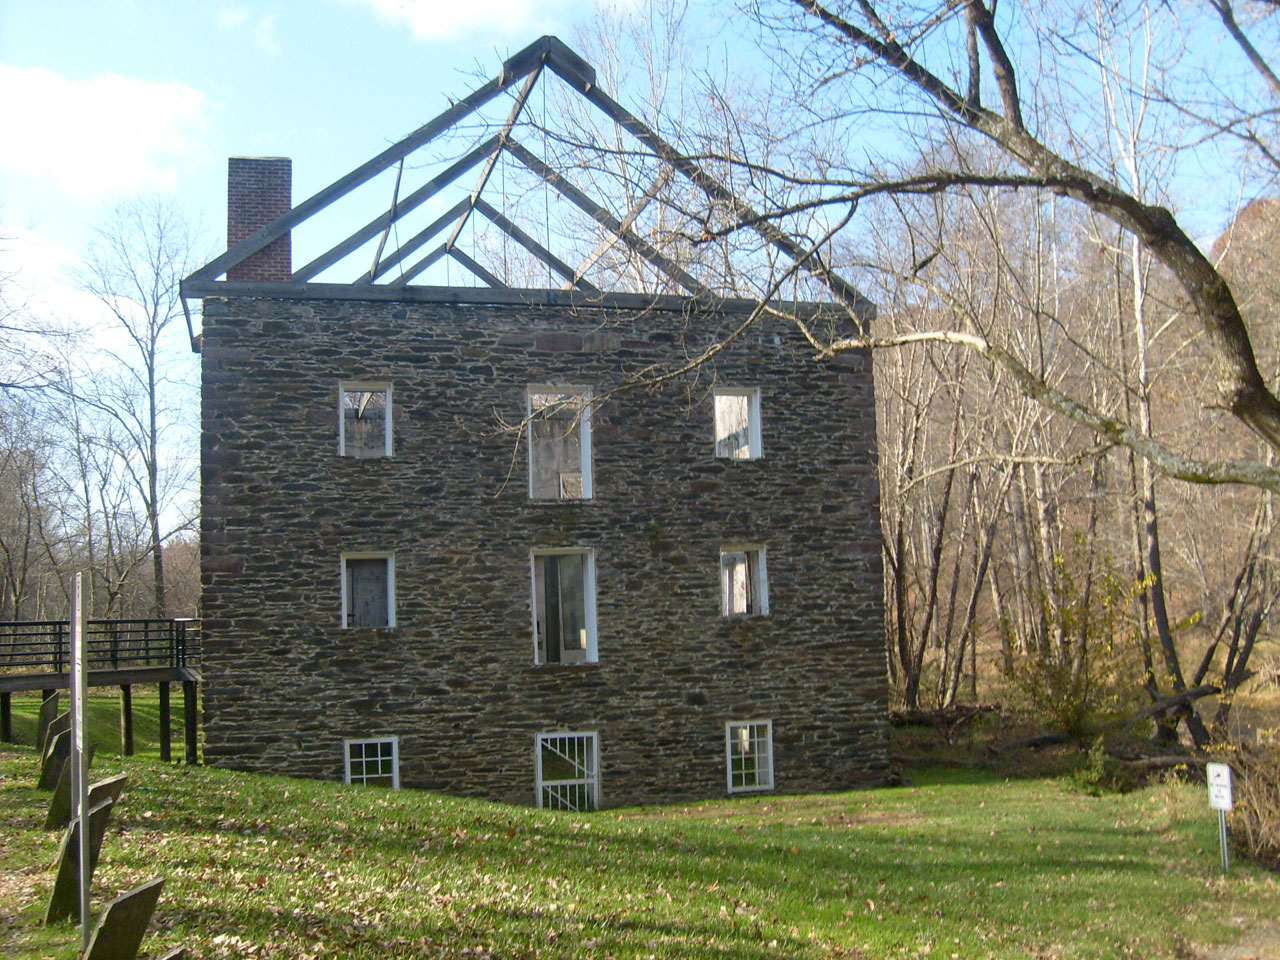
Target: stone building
(507,541)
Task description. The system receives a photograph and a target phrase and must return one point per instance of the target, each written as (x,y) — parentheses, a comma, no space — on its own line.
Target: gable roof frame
(527,65)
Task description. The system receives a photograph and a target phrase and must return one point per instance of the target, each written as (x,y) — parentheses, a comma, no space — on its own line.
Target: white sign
(1219,785)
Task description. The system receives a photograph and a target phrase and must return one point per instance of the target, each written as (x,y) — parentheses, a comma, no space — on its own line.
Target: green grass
(104,720)
(963,864)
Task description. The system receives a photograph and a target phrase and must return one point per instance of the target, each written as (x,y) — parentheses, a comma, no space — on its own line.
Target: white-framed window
(373,763)
(737,423)
(564,605)
(744,581)
(559,420)
(568,771)
(364,419)
(748,747)
(368,590)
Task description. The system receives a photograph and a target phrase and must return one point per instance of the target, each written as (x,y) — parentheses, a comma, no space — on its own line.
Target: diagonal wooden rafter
(418,240)
(610,241)
(718,191)
(573,278)
(607,220)
(512,70)
(477,269)
(433,257)
(516,109)
(402,208)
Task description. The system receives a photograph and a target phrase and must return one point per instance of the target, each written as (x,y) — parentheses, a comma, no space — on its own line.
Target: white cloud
(108,134)
(264,35)
(229,17)
(446,19)
(40,279)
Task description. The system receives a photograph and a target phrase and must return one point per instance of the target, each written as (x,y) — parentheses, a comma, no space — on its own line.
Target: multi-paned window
(737,423)
(373,763)
(559,443)
(364,419)
(568,771)
(564,606)
(368,590)
(744,584)
(749,755)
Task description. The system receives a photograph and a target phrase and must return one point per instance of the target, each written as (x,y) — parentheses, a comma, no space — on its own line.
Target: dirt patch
(887,818)
(1260,944)
(18,888)
(797,812)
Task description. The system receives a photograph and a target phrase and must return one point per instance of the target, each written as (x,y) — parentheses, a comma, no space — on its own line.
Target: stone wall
(455,678)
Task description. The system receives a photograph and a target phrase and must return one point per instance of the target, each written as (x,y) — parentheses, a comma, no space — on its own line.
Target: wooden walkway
(36,655)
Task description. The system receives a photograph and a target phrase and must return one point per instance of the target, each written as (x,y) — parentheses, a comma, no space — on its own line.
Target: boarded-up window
(737,424)
(564,607)
(364,428)
(743,588)
(559,443)
(368,590)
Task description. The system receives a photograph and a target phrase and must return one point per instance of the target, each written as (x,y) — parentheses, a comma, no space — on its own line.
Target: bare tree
(138,257)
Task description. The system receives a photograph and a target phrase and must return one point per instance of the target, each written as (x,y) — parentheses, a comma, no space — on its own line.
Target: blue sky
(113,98)
(104,99)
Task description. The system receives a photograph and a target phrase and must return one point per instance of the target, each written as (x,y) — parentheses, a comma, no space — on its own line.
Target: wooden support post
(166,727)
(126,719)
(6,717)
(189,719)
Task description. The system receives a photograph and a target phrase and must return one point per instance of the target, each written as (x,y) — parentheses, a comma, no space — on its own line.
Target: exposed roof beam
(477,269)
(570,67)
(413,243)
(487,295)
(533,246)
(513,69)
(413,271)
(848,293)
(603,247)
(603,217)
(409,203)
(512,117)
(527,64)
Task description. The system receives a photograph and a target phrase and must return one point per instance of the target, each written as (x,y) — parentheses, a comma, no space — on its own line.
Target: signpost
(79,758)
(1219,775)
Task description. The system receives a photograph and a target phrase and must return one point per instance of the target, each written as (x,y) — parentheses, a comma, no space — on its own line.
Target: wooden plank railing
(44,646)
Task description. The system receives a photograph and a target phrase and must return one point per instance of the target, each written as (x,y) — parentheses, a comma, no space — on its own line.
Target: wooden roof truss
(389,273)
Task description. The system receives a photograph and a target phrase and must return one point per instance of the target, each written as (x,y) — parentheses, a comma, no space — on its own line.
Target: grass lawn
(103,706)
(962,864)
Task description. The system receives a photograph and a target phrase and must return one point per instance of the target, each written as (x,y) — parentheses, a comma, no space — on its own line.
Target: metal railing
(44,646)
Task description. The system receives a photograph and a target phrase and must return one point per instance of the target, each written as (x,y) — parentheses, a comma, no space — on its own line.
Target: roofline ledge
(864,311)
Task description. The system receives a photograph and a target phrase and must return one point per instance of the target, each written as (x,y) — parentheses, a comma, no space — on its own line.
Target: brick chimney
(259,189)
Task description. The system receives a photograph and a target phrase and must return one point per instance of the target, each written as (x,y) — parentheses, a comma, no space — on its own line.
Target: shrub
(1086,674)
(1255,819)
(1102,773)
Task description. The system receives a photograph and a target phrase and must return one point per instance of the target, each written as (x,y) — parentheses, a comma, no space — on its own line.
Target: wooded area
(97,425)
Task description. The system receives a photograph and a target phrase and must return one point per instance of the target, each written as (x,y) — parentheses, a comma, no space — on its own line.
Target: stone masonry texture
(455,678)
